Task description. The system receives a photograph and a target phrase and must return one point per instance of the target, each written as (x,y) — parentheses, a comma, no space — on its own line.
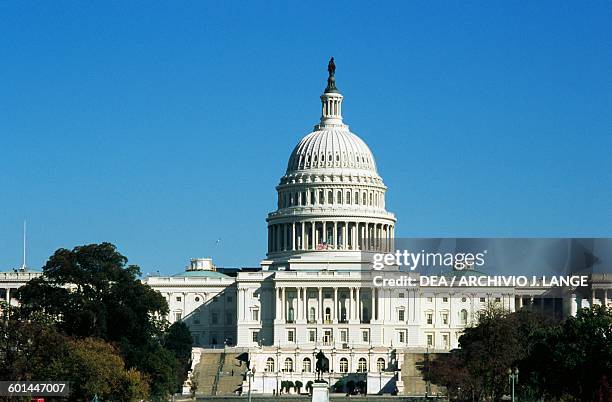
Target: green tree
(500,341)
(33,350)
(91,291)
(579,356)
(178,341)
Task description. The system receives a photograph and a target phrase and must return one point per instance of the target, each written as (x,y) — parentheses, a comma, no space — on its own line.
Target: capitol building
(313,292)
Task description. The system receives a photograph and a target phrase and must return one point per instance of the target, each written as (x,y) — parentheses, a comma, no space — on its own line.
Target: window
(291,335)
(255,314)
(401,336)
(197,299)
(214,317)
(430,340)
(401,295)
(430,299)
(445,318)
(497,299)
(429,318)
(312,316)
(362,365)
(445,299)
(327,337)
(380,364)
(312,335)
(179,298)
(229,318)
(306,365)
(327,315)
(344,365)
(196,318)
(464,317)
(270,365)
(482,299)
(255,336)
(229,299)
(365,335)
(288,365)
(343,335)
(290,315)
(463,299)
(401,315)
(446,341)
(178,316)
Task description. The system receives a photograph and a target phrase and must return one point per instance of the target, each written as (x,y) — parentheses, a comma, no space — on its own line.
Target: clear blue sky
(163,126)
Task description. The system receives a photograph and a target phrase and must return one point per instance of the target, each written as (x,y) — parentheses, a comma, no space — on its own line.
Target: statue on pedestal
(322,365)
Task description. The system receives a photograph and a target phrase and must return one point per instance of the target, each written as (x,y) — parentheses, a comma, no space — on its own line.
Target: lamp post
(250,375)
(512,378)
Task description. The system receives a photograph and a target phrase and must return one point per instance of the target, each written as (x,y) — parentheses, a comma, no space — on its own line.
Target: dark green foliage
(565,360)
(90,291)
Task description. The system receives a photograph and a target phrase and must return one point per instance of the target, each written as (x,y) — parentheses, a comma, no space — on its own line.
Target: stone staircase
(205,373)
(232,373)
(220,373)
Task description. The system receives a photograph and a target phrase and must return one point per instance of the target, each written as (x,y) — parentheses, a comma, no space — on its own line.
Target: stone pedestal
(320,392)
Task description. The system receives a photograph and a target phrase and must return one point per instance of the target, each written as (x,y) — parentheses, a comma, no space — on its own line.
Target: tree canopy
(90,292)
(568,359)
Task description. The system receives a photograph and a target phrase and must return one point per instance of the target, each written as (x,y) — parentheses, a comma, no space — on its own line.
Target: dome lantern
(331,108)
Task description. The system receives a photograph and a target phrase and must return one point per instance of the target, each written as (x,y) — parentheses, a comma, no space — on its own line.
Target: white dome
(331,148)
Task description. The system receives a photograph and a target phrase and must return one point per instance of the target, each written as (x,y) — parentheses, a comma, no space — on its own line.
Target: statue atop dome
(331,80)
(331,67)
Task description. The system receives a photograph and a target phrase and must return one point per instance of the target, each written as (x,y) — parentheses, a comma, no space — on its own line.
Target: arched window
(464,317)
(312,316)
(380,364)
(327,315)
(270,365)
(348,197)
(303,197)
(364,199)
(344,365)
(330,197)
(306,365)
(339,197)
(362,365)
(288,365)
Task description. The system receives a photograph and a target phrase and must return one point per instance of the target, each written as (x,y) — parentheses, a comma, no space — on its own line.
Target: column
(283,305)
(336,235)
(313,235)
(293,236)
(373,305)
(298,312)
(606,297)
(335,304)
(351,313)
(278,304)
(277,234)
(303,247)
(345,243)
(8,296)
(320,305)
(358,302)
(324,239)
(305,312)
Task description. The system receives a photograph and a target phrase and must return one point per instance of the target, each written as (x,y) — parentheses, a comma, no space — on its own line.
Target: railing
(219,370)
